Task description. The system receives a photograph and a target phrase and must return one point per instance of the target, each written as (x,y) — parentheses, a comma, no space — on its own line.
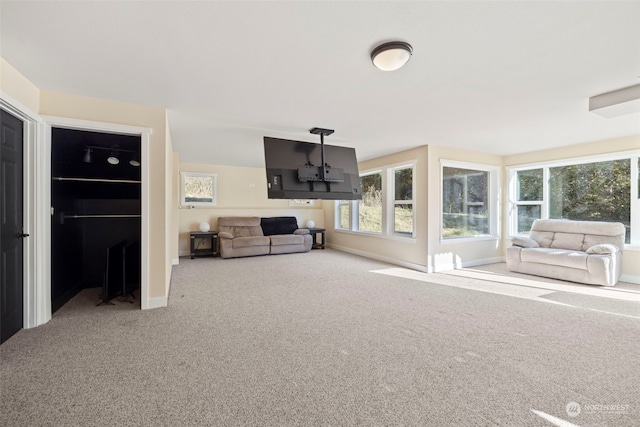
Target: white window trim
(493,200)
(184,175)
(391,201)
(355,207)
(388,182)
(633,155)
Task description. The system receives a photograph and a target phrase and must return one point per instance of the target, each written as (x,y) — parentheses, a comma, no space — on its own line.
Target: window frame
(493,200)
(388,194)
(392,201)
(632,155)
(357,204)
(184,175)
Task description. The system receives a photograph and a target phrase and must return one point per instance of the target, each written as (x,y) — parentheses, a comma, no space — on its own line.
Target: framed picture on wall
(198,189)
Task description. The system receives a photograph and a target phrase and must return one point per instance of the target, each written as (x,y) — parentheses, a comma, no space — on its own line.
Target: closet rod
(126,181)
(101,216)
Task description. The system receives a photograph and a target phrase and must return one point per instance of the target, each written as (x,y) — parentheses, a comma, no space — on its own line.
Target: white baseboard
(418,267)
(401,263)
(157,303)
(175,261)
(630,279)
(485,261)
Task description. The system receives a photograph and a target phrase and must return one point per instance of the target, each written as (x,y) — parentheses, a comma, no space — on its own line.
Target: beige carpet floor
(332,339)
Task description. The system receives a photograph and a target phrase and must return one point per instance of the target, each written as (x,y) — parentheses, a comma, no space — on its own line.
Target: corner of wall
(18,87)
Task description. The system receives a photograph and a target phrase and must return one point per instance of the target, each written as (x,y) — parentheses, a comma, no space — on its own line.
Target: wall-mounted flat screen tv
(294,171)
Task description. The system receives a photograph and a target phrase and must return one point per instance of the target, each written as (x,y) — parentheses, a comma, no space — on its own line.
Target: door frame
(37,204)
(45,154)
(36,270)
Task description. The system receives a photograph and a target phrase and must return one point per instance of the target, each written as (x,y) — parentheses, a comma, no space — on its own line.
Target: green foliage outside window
(403,212)
(370,209)
(465,195)
(598,191)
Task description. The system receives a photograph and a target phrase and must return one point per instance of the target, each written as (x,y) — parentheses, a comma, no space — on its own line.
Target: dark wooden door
(11,231)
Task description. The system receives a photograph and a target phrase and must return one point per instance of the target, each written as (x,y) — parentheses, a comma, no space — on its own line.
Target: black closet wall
(95,205)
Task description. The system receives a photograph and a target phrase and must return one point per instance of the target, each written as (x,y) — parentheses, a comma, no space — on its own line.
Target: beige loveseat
(587,252)
(251,236)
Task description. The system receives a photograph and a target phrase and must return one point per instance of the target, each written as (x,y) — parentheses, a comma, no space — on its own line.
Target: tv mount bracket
(325,169)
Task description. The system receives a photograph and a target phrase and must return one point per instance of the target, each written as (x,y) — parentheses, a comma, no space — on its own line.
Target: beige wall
(412,252)
(631,256)
(101,110)
(627,143)
(426,251)
(18,87)
(242,191)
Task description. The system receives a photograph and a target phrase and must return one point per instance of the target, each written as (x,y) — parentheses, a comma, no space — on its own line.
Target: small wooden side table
(212,251)
(314,232)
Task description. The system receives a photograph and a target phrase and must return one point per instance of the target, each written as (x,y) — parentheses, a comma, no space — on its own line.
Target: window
(343,220)
(387,205)
(370,207)
(198,189)
(592,192)
(467,209)
(403,200)
(587,190)
(528,198)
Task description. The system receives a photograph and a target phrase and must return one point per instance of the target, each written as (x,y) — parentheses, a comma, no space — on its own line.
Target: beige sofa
(251,236)
(587,252)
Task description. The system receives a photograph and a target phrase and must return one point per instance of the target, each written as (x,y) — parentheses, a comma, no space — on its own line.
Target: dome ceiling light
(391,56)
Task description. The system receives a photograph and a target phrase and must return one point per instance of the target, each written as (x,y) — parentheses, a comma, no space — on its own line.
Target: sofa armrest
(301,231)
(603,249)
(225,235)
(524,242)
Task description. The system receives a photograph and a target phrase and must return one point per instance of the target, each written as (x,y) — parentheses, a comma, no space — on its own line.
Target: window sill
(408,239)
(468,239)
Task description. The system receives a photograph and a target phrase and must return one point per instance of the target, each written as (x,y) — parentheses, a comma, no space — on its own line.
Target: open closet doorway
(96,229)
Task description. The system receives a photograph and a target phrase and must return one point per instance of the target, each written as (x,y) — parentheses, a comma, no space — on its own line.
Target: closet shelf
(118,181)
(102,216)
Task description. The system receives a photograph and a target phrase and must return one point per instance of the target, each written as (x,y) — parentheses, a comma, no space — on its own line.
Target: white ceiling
(496,77)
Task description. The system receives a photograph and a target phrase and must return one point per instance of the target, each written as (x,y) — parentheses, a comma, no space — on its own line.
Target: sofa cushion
(278,225)
(592,240)
(602,249)
(544,238)
(524,242)
(571,241)
(241,232)
(243,242)
(287,239)
(551,256)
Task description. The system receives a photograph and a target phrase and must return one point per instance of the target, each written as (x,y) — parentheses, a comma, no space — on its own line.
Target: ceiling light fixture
(391,56)
(114,158)
(87,155)
(617,103)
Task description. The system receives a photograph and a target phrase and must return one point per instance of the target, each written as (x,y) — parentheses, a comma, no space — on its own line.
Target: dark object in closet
(131,271)
(114,273)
